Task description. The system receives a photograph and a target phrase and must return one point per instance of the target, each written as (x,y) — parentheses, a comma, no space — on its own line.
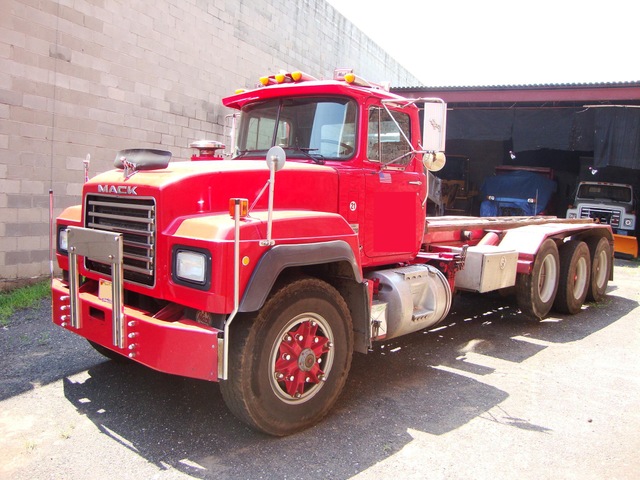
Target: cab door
(394,187)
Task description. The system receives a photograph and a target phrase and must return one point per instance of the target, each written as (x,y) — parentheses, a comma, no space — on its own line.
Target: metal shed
(580,130)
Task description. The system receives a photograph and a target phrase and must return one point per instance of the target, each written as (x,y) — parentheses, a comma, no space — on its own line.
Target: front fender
(284,256)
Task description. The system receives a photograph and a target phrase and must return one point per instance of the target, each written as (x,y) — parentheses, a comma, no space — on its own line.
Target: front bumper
(182,347)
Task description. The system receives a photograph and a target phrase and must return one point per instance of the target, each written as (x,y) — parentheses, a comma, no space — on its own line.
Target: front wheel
(289,363)
(110,354)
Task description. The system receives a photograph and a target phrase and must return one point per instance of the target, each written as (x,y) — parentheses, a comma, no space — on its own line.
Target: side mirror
(434,130)
(434,161)
(276,158)
(275,161)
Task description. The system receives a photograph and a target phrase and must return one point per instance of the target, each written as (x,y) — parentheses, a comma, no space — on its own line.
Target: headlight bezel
(201,284)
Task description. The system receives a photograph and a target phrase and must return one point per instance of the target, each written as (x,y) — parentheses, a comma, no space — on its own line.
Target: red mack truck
(267,270)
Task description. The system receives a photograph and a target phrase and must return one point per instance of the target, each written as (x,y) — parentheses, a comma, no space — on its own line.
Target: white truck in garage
(609,204)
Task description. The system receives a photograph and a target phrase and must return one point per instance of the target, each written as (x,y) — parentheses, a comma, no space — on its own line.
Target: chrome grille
(601,215)
(134,218)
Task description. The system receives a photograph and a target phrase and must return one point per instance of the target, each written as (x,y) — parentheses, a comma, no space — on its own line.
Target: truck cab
(519,191)
(366,136)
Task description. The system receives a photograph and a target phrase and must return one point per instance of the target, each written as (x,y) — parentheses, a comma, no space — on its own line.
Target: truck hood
(192,188)
(182,170)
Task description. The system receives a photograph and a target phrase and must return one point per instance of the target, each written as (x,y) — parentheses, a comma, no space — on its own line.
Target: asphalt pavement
(487,395)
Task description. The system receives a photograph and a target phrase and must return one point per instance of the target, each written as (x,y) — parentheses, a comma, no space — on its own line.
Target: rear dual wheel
(575,273)
(289,363)
(565,278)
(600,253)
(536,292)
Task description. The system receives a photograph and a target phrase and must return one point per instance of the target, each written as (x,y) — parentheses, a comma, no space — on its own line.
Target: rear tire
(289,362)
(575,272)
(537,291)
(600,253)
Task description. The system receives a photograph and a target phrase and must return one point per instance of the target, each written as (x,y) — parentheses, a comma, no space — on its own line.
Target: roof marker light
(350,78)
(296,76)
(264,81)
(280,77)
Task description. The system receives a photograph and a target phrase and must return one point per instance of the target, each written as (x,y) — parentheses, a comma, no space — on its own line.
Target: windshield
(319,128)
(617,193)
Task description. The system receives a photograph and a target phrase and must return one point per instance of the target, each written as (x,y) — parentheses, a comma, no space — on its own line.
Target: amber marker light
(239,91)
(244,207)
(350,78)
(296,76)
(280,77)
(264,81)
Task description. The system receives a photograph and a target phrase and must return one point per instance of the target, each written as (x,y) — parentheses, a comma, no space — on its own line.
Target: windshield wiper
(318,159)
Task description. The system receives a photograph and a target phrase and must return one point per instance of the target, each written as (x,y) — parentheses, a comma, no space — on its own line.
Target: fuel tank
(410,298)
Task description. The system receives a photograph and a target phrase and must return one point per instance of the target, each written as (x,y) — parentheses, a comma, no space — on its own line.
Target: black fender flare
(279,257)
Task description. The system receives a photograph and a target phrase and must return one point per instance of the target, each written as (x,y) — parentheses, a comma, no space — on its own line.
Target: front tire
(575,270)
(537,291)
(110,354)
(289,363)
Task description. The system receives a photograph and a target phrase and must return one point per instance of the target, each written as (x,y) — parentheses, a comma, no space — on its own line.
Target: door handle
(415,182)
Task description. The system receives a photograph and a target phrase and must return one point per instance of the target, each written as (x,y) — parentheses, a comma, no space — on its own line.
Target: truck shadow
(36,352)
(422,382)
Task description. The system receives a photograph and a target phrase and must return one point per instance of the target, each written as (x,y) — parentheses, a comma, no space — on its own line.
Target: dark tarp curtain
(542,128)
(567,129)
(488,125)
(612,133)
(529,129)
(617,137)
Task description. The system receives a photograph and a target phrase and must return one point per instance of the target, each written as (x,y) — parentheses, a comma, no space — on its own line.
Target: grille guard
(105,247)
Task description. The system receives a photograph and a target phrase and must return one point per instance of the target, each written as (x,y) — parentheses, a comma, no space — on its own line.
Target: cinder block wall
(91,77)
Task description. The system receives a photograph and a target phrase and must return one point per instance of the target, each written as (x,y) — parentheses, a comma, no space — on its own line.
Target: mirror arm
(412,152)
(404,135)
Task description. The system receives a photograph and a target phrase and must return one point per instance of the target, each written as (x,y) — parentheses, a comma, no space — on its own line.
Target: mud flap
(626,245)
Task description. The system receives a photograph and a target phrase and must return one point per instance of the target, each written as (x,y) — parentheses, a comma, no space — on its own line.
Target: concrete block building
(85,78)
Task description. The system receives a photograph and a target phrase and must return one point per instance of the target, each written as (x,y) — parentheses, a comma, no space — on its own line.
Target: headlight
(191,267)
(63,243)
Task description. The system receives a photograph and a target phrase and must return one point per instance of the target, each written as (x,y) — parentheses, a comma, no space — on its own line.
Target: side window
(385,143)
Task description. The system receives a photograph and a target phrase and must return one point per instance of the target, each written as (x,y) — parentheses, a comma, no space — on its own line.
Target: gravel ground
(488,395)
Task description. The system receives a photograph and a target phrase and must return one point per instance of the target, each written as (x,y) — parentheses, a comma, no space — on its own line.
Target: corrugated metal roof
(632,83)
(563,93)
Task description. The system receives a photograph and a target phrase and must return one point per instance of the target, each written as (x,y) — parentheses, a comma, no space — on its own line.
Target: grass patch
(22,298)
